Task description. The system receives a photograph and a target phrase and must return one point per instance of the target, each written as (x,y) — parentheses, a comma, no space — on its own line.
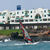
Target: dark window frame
(31,20)
(26,20)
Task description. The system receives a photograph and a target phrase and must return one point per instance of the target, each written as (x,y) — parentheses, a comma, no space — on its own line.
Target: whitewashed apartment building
(32,16)
(39,15)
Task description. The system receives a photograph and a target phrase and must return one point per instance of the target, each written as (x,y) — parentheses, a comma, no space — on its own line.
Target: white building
(39,15)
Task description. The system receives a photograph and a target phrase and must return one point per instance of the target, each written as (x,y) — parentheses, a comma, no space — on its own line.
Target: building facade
(39,15)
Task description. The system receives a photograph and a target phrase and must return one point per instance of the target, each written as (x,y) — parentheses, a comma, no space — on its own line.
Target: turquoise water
(11,46)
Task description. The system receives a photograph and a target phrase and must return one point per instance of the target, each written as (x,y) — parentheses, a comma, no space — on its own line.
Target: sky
(25,4)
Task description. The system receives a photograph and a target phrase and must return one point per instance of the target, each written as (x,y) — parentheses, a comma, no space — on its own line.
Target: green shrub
(8,32)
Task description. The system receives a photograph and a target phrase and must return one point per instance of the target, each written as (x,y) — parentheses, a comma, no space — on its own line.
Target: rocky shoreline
(4,37)
(35,37)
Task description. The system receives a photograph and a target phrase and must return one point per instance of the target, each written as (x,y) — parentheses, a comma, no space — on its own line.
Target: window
(3,16)
(37,16)
(48,19)
(26,20)
(26,15)
(8,18)
(16,20)
(10,13)
(44,15)
(48,14)
(3,21)
(26,11)
(36,20)
(17,17)
(31,11)
(45,11)
(31,20)
(22,12)
(17,12)
(31,15)
(41,20)
(22,20)
(12,20)
(44,19)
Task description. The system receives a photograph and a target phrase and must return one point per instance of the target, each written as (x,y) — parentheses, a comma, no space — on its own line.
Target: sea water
(12,46)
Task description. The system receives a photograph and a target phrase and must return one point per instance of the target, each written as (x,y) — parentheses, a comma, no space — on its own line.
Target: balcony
(48,14)
(19,18)
(26,15)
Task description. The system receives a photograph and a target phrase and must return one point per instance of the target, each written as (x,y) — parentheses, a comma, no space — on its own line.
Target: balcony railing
(19,18)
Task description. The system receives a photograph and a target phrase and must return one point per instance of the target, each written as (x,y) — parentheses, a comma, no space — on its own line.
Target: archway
(37,16)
